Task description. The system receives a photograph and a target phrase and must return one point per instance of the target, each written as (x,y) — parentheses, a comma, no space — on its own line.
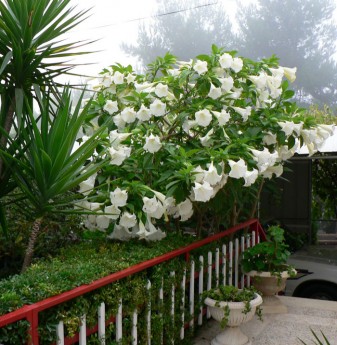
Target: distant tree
(184,33)
(301,33)
(324,184)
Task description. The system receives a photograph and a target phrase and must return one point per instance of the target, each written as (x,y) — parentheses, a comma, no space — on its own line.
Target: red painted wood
(31,312)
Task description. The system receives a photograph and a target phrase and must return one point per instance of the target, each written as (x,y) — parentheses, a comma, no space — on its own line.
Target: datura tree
(191,141)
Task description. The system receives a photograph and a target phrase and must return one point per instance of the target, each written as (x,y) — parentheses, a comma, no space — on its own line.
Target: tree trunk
(31,244)
(7,127)
(254,207)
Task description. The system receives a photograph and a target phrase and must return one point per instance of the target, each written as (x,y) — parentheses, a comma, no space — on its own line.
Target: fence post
(33,319)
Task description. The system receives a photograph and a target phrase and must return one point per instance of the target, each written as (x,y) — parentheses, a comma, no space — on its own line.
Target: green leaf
(3,221)
(5,61)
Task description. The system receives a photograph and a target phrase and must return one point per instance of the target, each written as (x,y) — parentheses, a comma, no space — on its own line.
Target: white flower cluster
(187,134)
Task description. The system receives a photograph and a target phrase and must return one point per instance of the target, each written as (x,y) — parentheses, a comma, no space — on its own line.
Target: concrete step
(287,328)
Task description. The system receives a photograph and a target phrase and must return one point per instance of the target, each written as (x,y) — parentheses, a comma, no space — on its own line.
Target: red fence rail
(31,312)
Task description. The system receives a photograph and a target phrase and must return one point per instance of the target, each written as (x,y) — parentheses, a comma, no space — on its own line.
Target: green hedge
(82,264)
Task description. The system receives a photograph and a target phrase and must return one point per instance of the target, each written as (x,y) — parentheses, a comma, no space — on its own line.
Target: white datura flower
(235,94)
(212,176)
(112,212)
(325,131)
(106,79)
(130,78)
(226,83)
(141,231)
(102,222)
(290,73)
(118,121)
(118,78)
(152,143)
(158,108)
(110,107)
(288,127)
(120,233)
(203,117)
(250,177)
(153,207)
(274,82)
(119,154)
(244,112)
(170,205)
(206,141)
(223,116)
(185,210)
(214,92)
(202,191)
(174,72)
(312,139)
(269,138)
(128,220)
(218,71)
(226,60)
(188,124)
(144,87)
(119,197)
(116,138)
(111,89)
(276,169)
(237,65)
(277,72)
(87,185)
(264,158)
(260,81)
(161,90)
(198,174)
(285,153)
(153,233)
(143,114)
(128,115)
(238,169)
(200,67)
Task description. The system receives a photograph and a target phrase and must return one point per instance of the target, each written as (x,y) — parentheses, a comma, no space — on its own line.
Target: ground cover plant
(83,263)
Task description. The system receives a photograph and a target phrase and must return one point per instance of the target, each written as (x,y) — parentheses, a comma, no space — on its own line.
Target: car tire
(319,291)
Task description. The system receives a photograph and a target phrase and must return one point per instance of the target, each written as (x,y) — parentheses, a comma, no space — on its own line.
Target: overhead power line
(158,15)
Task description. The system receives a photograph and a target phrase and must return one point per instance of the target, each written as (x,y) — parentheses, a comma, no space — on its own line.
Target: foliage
(318,340)
(47,166)
(324,187)
(83,263)
(305,42)
(268,256)
(57,232)
(32,53)
(199,26)
(191,142)
(322,115)
(228,293)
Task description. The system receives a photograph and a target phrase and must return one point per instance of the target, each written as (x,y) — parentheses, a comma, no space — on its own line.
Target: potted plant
(266,264)
(232,307)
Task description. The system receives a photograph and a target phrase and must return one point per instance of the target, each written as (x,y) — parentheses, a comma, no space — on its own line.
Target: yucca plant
(317,340)
(49,165)
(32,52)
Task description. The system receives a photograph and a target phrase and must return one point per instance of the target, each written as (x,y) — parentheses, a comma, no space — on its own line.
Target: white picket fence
(222,267)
